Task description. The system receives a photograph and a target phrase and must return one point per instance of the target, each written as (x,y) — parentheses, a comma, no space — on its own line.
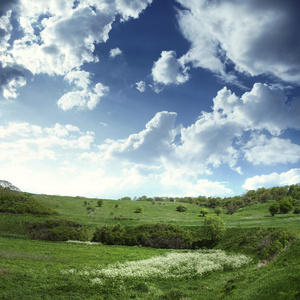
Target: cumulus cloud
(257,37)
(169,70)
(115,52)
(67,35)
(261,150)
(287,178)
(149,145)
(83,99)
(57,37)
(83,96)
(217,137)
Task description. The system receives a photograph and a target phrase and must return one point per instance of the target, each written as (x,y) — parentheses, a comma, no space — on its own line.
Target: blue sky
(118,98)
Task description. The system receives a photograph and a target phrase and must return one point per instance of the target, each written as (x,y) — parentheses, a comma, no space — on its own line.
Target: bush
(274,208)
(100,203)
(155,236)
(285,206)
(181,208)
(275,242)
(138,210)
(297,210)
(56,230)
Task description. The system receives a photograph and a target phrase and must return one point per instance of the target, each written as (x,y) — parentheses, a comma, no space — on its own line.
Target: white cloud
(287,178)
(57,37)
(131,8)
(261,150)
(67,34)
(148,145)
(169,70)
(24,142)
(83,99)
(141,86)
(217,137)
(258,37)
(115,52)
(81,79)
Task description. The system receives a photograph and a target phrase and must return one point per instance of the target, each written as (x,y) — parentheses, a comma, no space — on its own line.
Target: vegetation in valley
(242,247)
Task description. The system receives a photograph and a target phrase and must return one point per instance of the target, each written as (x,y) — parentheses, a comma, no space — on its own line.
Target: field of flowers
(171,266)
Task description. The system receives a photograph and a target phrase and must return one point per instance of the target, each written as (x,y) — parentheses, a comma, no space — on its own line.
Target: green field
(35,269)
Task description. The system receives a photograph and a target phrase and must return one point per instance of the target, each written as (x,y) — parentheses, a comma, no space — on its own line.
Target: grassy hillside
(33,269)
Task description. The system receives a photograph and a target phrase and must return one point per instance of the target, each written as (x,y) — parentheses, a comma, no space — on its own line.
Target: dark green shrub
(56,230)
(181,208)
(100,203)
(156,236)
(285,206)
(274,208)
(138,210)
(110,235)
(297,210)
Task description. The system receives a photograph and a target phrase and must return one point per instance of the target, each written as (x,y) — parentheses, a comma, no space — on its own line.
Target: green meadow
(257,257)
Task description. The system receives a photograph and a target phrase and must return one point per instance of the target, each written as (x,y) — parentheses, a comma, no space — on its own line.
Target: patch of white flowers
(83,242)
(173,265)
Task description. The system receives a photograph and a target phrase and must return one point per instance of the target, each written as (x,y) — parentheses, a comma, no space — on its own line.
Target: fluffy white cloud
(59,36)
(261,150)
(217,137)
(287,178)
(141,86)
(83,99)
(22,142)
(114,52)
(149,145)
(67,34)
(169,70)
(257,36)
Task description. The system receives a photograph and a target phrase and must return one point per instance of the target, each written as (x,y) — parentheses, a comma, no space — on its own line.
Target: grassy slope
(74,208)
(32,268)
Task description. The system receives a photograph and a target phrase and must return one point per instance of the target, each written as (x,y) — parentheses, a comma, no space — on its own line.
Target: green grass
(73,208)
(31,269)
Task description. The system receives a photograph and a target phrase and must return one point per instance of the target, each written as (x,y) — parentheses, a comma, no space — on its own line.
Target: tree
(218,210)
(231,208)
(100,202)
(274,208)
(204,211)
(213,228)
(285,205)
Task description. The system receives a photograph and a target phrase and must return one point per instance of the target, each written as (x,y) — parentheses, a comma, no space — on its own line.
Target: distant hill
(12,200)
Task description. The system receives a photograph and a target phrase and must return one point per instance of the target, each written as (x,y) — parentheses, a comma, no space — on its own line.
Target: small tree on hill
(100,202)
(204,211)
(213,228)
(181,208)
(218,210)
(274,208)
